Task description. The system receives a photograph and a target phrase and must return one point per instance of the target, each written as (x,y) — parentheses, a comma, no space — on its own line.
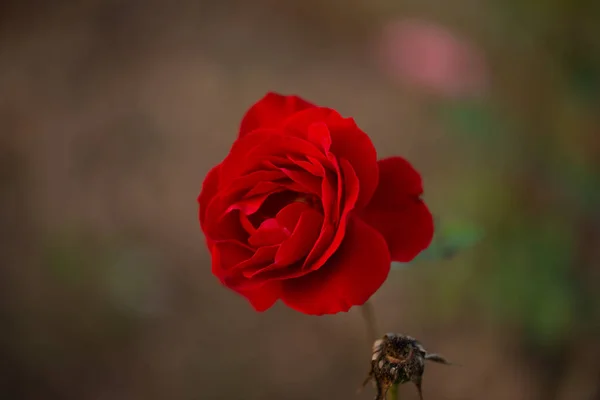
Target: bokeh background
(113,111)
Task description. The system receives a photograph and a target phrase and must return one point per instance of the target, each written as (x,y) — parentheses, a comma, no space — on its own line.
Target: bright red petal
(349,278)
(270,111)
(397,211)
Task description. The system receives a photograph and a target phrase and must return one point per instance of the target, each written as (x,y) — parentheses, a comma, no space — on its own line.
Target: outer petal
(397,211)
(263,297)
(271,111)
(209,190)
(349,278)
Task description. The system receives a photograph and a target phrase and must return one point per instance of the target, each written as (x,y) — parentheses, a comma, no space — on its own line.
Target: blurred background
(113,112)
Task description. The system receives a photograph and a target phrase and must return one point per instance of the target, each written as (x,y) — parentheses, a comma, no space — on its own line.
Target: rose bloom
(301,210)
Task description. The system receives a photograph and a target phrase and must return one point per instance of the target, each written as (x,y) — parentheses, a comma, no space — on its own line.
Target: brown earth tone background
(113,111)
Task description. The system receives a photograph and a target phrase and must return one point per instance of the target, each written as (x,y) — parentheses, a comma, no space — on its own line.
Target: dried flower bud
(398,359)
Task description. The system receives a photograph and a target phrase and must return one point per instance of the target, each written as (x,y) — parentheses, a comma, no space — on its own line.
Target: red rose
(301,210)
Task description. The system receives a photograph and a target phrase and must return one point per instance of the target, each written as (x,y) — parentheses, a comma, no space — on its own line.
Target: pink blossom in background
(428,56)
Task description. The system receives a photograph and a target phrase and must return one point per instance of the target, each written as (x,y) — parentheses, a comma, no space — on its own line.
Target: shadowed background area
(113,112)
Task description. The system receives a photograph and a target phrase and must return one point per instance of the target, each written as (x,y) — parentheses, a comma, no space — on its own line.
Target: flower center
(277,201)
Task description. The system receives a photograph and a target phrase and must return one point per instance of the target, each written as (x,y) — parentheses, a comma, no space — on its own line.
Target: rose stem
(392,393)
(369,317)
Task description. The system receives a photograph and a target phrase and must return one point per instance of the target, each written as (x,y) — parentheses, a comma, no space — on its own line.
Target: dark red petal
(228,254)
(262,258)
(408,231)
(323,243)
(282,185)
(246,224)
(397,211)
(399,172)
(209,190)
(271,111)
(223,226)
(263,297)
(313,166)
(252,179)
(349,278)
(352,144)
(340,188)
(302,240)
(251,205)
(262,188)
(216,207)
(309,183)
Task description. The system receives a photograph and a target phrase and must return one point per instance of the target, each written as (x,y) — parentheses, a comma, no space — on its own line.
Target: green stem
(392,394)
(369,317)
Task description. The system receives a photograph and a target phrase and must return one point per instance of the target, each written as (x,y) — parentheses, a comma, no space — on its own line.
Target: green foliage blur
(536,268)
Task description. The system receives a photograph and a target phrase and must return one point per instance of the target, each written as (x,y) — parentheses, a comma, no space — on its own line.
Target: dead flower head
(399,359)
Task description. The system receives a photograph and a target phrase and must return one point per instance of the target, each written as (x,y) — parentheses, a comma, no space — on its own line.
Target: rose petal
(309,183)
(352,144)
(397,211)
(249,152)
(262,188)
(262,258)
(271,111)
(289,215)
(331,238)
(263,297)
(407,231)
(209,190)
(228,254)
(349,278)
(300,122)
(217,206)
(251,205)
(302,239)
(318,133)
(347,141)
(329,196)
(246,224)
(340,190)
(250,180)
(269,233)
(219,225)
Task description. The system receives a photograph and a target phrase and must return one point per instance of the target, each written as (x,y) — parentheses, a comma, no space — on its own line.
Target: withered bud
(398,359)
